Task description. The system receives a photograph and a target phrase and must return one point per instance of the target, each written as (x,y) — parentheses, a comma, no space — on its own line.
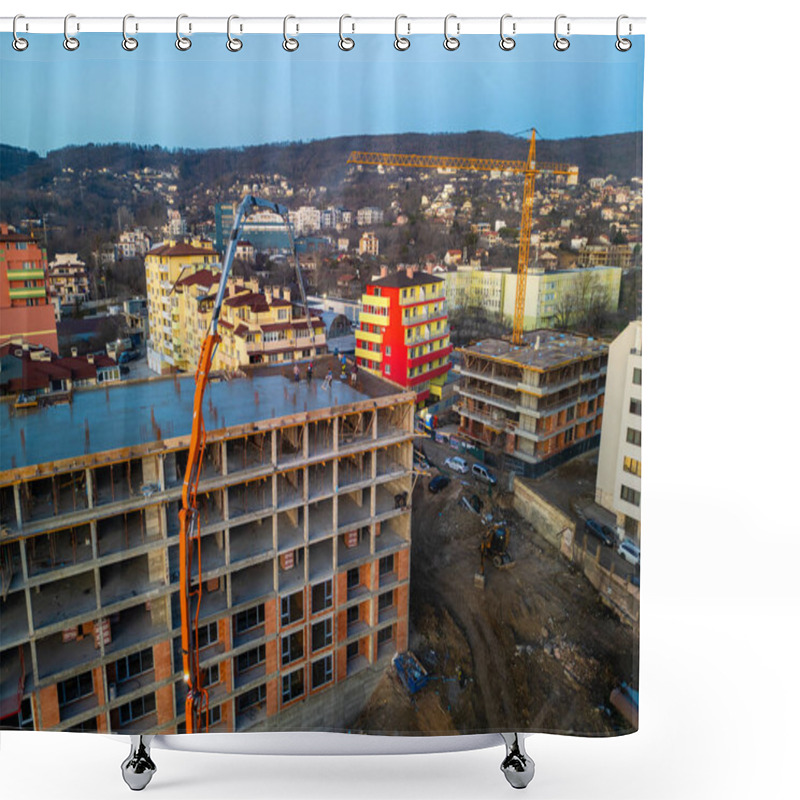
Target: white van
(629,551)
(483,474)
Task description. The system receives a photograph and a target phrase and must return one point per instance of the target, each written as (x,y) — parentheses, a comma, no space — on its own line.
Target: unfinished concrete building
(535,405)
(304,506)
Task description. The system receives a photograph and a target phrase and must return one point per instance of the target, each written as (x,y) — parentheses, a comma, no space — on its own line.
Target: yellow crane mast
(529,168)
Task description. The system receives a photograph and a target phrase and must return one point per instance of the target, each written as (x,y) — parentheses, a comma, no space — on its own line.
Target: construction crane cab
(191,573)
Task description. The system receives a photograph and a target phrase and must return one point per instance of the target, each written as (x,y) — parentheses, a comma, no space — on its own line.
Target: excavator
(189,544)
(494,547)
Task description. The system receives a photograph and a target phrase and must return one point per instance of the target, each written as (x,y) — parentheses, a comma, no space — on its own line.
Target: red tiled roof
(226,325)
(254,300)
(203,277)
(276,326)
(241,331)
(182,249)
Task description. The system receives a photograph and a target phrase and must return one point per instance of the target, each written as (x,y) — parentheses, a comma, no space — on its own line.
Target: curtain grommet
(233,44)
(18,43)
(507,43)
(289,44)
(561,43)
(623,45)
(71,43)
(183,43)
(129,43)
(345,42)
(451,43)
(401,43)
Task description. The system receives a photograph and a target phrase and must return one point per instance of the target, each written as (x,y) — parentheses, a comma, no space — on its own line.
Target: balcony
(430,335)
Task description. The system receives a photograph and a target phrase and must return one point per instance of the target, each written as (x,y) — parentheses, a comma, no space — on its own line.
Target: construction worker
(354,374)
(296,374)
(326,384)
(344,367)
(309,371)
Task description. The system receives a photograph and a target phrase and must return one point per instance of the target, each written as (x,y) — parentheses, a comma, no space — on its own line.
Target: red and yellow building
(26,314)
(403,333)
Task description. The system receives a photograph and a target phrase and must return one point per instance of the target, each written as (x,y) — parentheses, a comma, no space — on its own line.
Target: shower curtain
(414,505)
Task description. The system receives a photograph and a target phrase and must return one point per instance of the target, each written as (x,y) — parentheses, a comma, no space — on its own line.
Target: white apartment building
(305,219)
(619,469)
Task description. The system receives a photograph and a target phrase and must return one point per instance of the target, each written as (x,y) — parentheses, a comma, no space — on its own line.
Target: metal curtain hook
(19,44)
(289,44)
(70,42)
(181,42)
(128,42)
(451,42)
(506,42)
(345,42)
(400,42)
(623,45)
(561,43)
(233,44)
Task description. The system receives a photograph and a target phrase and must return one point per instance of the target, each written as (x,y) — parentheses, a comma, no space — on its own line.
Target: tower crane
(529,168)
(191,591)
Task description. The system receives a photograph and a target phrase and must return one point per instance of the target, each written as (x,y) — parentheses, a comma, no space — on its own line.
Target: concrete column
(275,448)
(18,505)
(90,488)
(335,434)
(305,441)
(224,460)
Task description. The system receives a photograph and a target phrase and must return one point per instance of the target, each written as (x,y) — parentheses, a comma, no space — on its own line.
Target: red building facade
(403,332)
(25,312)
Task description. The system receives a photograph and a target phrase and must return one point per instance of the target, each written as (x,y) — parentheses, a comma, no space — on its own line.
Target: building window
(134,664)
(636,407)
(136,709)
(214,715)
(25,715)
(637,376)
(249,659)
(207,635)
(633,466)
(630,495)
(75,688)
(568,434)
(634,437)
(210,675)
(352,650)
(292,685)
(388,369)
(385,634)
(352,615)
(251,698)
(386,565)
(292,608)
(570,413)
(249,619)
(385,600)
(291,647)
(388,349)
(321,672)
(321,596)
(353,578)
(322,634)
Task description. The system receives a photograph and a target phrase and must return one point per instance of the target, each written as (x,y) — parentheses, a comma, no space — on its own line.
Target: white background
(720,601)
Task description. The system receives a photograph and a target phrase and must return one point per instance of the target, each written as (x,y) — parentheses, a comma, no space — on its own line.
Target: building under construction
(304,502)
(537,404)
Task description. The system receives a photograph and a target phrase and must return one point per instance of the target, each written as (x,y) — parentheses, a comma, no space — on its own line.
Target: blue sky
(209,97)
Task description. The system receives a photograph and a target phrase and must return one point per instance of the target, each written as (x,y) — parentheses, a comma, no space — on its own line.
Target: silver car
(629,551)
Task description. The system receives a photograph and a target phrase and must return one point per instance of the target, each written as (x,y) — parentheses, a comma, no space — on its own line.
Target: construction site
(304,505)
(537,403)
(534,648)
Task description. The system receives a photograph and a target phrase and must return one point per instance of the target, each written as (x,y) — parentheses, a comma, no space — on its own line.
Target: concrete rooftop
(555,348)
(108,418)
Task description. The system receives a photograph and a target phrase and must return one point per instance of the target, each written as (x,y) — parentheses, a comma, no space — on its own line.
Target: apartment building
(26,314)
(535,405)
(133,243)
(403,333)
(255,326)
(369,244)
(164,265)
(68,280)
(619,467)
(304,507)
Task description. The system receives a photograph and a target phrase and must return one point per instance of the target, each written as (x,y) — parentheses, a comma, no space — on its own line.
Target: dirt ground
(534,650)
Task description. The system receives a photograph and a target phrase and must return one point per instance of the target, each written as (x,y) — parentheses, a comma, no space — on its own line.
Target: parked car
(457,464)
(483,474)
(125,357)
(629,551)
(612,532)
(600,531)
(438,483)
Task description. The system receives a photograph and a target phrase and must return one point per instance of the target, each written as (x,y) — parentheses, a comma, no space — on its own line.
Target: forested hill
(323,161)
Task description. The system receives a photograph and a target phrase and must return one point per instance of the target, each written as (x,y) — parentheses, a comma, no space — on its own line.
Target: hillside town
(417,451)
